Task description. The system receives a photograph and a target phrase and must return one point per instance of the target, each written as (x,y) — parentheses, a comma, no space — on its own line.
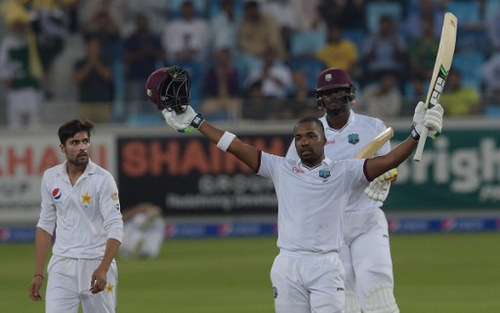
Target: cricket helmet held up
(169,88)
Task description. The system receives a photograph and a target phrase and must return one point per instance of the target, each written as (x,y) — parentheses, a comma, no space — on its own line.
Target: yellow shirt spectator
(338,52)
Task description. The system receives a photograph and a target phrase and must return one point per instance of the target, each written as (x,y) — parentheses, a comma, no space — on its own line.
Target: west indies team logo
(324,174)
(56,193)
(353,138)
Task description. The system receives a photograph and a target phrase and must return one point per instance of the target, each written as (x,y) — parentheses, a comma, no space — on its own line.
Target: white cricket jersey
(311,202)
(86,214)
(345,143)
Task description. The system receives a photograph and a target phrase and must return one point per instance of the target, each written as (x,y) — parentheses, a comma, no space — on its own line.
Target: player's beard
(336,109)
(82,159)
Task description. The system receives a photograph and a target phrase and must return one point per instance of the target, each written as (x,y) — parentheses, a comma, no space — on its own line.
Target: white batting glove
(388,176)
(431,118)
(378,189)
(180,121)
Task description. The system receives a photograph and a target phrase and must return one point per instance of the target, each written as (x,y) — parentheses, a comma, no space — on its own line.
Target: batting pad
(351,303)
(381,300)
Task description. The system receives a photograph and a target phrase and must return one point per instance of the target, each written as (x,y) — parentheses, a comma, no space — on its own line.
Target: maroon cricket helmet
(169,88)
(333,78)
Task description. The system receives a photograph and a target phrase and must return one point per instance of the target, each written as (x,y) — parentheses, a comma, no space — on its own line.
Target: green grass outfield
(441,273)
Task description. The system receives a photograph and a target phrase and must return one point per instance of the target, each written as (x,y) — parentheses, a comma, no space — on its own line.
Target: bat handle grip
(421,144)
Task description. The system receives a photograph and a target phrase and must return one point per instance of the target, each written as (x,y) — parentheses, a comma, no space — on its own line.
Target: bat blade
(373,146)
(440,72)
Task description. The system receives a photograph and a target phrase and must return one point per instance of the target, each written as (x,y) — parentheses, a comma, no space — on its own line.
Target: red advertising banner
(23,159)
(189,175)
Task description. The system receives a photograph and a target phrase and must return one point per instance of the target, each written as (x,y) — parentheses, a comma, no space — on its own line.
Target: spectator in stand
(339,52)
(422,50)
(255,107)
(142,52)
(426,9)
(493,27)
(257,32)
(156,12)
(416,89)
(490,72)
(301,98)
(187,39)
(382,99)
(20,69)
(50,25)
(345,13)
(93,76)
(103,27)
(459,100)
(283,12)
(224,28)
(222,88)
(385,51)
(275,76)
(308,17)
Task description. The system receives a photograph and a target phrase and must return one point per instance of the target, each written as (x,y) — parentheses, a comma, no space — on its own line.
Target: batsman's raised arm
(245,152)
(169,89)
(431,118)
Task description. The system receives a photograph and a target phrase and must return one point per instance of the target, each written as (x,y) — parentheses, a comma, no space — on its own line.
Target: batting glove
(378,189)
(183,122)
(431,118)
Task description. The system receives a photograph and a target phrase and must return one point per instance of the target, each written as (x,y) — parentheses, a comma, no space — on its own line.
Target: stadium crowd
(247,59)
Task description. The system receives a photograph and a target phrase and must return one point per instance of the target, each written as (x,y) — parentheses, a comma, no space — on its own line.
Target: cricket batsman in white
(313,192)
(365,252)
(81,198)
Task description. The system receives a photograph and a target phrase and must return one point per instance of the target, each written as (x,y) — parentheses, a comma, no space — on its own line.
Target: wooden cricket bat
(442,67)
(369,150)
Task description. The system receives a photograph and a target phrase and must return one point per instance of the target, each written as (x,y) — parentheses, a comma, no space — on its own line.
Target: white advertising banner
(23,159)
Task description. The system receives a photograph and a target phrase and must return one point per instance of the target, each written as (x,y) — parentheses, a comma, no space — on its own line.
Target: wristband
(225,141)
(414,134)
(197,121)
(38,275)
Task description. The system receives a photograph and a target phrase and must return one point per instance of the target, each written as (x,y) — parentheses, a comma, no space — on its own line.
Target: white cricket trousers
(306,282)
(68,285)
(366,253)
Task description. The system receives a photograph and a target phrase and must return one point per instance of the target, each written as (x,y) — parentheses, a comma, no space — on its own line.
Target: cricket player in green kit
(307,275)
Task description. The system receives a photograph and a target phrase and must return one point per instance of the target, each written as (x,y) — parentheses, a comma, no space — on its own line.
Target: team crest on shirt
(353,138)
(86,198)
(324,174)
(56,193)
(114,196)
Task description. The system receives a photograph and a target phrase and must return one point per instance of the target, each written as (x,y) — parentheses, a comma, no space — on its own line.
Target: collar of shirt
(89,169)
(352,119)
(325,162)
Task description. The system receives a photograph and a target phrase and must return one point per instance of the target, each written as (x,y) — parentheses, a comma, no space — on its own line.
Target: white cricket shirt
(345,143)
(86,214)
(311,202)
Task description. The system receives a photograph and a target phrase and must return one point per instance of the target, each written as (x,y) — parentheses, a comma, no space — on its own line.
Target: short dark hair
(71,128)
(309,119)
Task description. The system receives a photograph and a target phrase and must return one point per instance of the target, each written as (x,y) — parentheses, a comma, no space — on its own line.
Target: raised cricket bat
(442,67)
(369,150)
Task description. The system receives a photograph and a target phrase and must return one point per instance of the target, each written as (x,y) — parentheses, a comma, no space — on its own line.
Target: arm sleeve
(269,165)
(48,215)
(292,152)
(109,205)
(355,172)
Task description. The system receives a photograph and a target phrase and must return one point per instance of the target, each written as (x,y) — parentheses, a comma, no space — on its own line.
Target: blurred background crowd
(248,60)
